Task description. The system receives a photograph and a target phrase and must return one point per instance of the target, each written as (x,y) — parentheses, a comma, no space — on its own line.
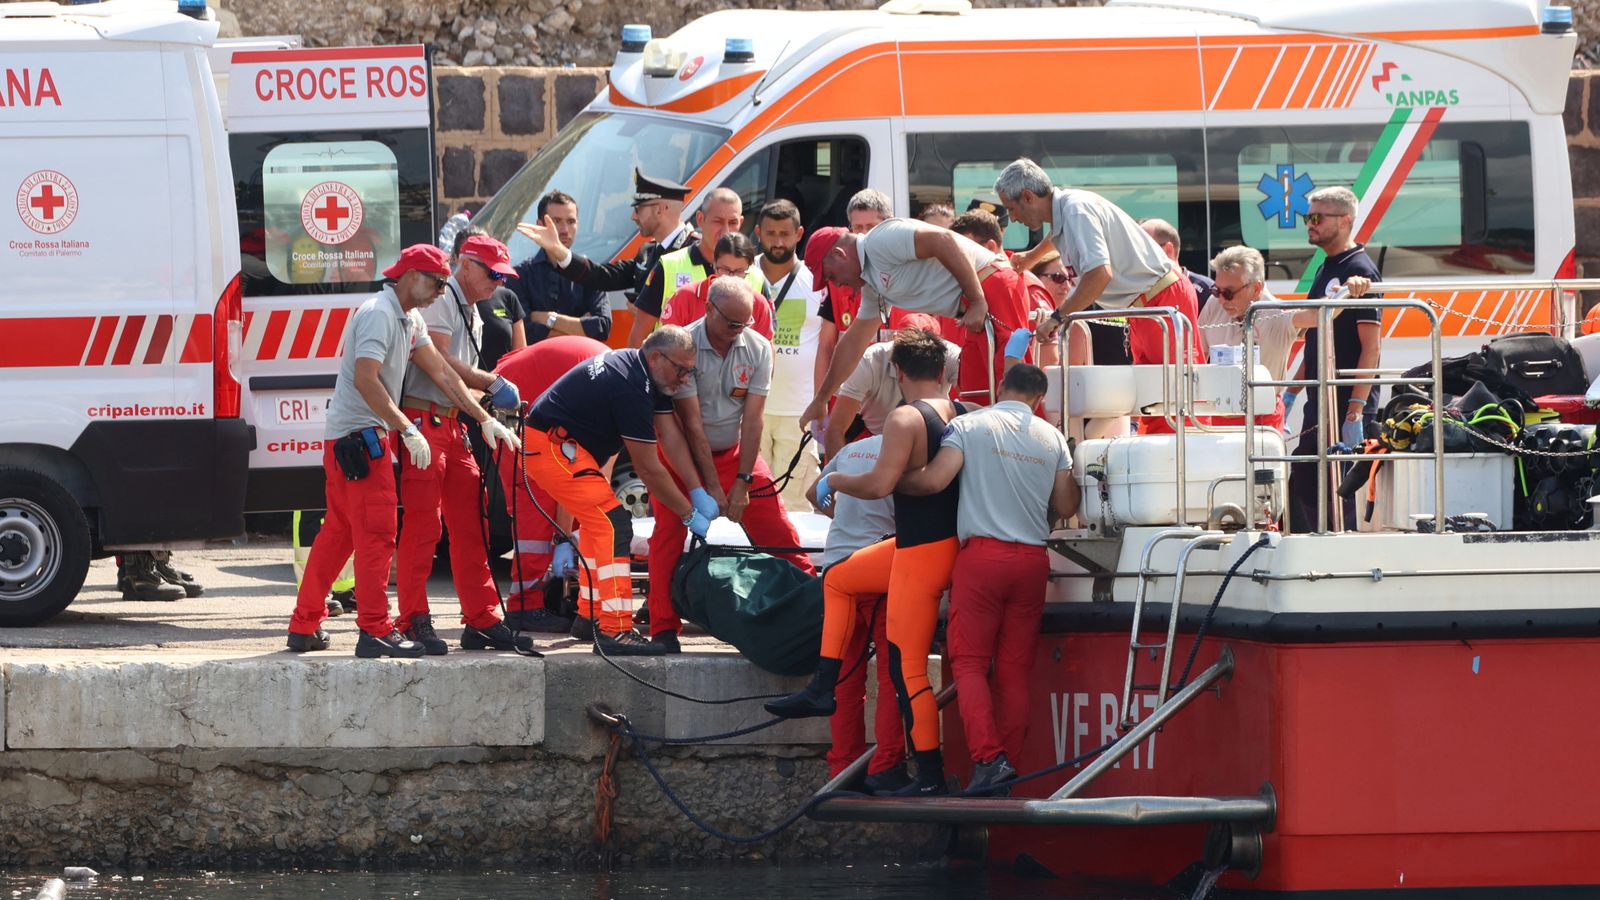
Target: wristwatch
(1056,315)
(746,477)
(550,320)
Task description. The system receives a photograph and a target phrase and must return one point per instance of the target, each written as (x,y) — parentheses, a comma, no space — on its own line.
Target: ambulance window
(1462,205)
(325,213)
(1149,174)
(817,175)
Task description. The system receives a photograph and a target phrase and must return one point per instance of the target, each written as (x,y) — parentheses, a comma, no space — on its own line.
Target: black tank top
(924,520)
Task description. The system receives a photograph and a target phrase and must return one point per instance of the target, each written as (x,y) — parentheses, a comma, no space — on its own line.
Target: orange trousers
(914,578)
(570,474)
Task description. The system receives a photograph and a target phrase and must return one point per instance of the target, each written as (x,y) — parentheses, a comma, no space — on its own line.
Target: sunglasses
(1230,293)
(496,276)
(1057,277)
(438,283)
(734,324)
(1316,218)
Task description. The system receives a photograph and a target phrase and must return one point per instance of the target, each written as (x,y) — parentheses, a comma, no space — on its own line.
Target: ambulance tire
(44,547)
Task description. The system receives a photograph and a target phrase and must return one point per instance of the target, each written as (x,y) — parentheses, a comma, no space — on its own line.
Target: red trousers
(574,479)
(996,599)
(535,534)
(766,522)
(1006,294)
(848,726)
(360,518)
(450,484)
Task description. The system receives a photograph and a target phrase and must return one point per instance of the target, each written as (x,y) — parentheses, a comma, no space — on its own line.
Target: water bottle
(447,234)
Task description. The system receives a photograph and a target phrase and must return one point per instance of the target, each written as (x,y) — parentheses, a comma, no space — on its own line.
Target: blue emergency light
(739,50)
(634,37)
(1557,19)
(195,9)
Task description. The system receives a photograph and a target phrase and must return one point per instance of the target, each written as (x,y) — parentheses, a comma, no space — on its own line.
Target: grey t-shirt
(856,523)
(1009,470)
(724,383)
(448,314)
(895,277)
(1090,231)
(379,330)
(874,384)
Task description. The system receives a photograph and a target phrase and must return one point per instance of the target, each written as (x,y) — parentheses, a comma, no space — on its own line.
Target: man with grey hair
(1165,234)
(722,213)
(1330,227)
(1241,274)
(1113,260)
(719,414)
(867,207)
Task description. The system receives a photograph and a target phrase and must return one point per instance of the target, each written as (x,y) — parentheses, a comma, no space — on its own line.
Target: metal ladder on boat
(1131,689)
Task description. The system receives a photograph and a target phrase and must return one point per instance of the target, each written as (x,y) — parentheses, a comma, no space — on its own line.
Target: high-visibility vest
(679,271)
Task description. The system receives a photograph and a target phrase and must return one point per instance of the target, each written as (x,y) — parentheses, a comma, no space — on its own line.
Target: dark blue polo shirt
(602,402)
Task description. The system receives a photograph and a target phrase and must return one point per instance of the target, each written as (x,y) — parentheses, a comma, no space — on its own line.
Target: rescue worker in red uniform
(449,483)
(913,567)
(385,332)
(584,419)
(533,369)
(1015,473)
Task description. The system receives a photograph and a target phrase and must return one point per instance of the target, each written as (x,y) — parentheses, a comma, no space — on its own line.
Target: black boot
(816,699)
(173,575)
(930,777)
(140,581)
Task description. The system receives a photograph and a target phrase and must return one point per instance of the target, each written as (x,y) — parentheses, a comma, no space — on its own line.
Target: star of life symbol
(1286,195)
(331,212)
(47,202)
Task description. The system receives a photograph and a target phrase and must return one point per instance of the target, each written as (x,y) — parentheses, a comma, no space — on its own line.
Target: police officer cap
(649,190)
(993,207)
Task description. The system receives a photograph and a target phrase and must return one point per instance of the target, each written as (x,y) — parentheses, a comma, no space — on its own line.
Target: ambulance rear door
(332,159)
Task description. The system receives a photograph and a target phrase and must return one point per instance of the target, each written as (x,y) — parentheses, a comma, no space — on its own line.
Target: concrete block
(1585,163)
(521,103)
(458,173)
(276,701)
(496,169)
(722,675)
(574,90)
(1573,114)
(461,102)
(576,678)
(1587,220)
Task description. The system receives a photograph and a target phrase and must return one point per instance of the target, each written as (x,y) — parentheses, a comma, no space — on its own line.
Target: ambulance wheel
(630,490)
(44,547)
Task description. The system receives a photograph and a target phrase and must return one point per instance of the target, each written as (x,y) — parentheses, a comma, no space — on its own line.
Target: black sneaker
(538,621)
(173,575)
(582,629)
(140,581)
(495,637)
(628,643)
(302,643)
(668,640)
(641,616)
(334,609)
(887,781)
(346,599)
(991,779)
(393,644)
(421,631)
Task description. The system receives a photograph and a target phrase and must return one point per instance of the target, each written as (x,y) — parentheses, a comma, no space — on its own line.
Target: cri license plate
(306,409)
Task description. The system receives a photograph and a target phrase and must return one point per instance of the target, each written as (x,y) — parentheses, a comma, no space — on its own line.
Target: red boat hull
(1395,765)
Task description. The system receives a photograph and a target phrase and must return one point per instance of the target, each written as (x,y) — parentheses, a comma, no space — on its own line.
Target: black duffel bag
(761,604)
(1537,364)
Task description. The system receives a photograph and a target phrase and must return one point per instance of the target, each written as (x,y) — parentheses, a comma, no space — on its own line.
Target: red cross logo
(47,202)
(331,213)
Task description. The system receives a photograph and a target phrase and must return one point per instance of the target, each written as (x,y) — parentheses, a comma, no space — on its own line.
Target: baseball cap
(423,258)
(817,247)
(490,252)
(921,322)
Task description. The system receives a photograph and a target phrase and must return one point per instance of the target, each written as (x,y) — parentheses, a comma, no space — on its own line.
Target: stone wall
(1583,145)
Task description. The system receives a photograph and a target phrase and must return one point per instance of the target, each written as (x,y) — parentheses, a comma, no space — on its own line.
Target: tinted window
(817,175)
(327,212)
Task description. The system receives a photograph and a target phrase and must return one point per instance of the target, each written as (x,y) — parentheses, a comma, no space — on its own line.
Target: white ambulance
(144,366)
(1216,115)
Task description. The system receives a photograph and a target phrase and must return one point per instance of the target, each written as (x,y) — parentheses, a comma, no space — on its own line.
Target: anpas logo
(1399,96)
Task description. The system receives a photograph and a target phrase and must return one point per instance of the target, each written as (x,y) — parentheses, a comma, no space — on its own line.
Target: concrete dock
(171,734)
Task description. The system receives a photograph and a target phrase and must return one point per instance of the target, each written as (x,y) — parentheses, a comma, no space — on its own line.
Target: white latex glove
(495,434)
(417,446)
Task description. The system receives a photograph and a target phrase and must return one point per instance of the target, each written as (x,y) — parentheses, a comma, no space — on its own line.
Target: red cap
(490,252)
(820,243)
(921,322)
(423,258)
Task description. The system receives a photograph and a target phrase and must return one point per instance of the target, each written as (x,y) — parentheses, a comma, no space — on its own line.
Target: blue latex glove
(1017,344)
(703,504)
(824,493)
(1352,434)
(698,524)
(564,560)
(503,394)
